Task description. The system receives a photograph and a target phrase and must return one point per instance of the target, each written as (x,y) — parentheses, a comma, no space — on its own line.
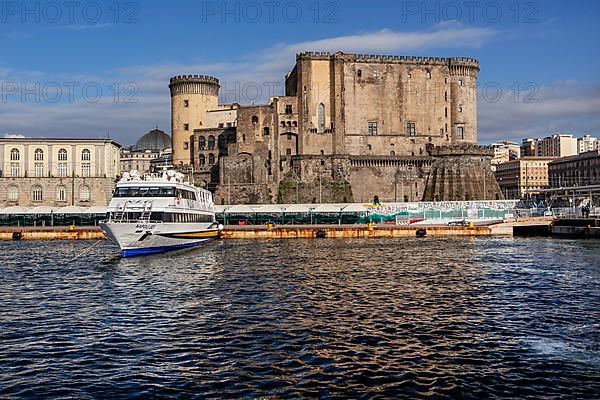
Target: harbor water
(358,318)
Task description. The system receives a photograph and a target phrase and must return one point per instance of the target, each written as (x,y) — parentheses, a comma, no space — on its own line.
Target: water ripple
(426,318)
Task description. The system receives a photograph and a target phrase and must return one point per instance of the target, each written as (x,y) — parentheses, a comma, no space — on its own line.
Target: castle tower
(463,107)
(462,173)
(191,97)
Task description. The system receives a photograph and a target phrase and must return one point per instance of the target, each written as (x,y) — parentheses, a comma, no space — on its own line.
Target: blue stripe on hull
(162,249)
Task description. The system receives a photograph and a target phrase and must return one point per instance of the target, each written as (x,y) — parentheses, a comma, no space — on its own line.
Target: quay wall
(307,232)
(15,233)
(281,232)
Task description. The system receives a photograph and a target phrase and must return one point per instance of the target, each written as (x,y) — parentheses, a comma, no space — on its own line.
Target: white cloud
(13,136)
(83,27)
(567,106)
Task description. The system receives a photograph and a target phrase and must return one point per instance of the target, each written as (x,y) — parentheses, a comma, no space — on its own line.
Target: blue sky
(539,59)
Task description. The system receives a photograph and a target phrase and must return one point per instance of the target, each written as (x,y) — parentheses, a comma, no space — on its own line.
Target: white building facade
(57,172)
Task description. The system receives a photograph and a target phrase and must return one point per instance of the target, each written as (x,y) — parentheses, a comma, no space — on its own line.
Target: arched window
(86,155)
(84,193)
(211,142)
(254,120)
(202,160)
(13,194)
(211,159)
(62,155)
(359,73)
(321,118)
(36,193)
(61,193)
(38,155)
(392,153)
(15,155)
(202,142)
(266,131)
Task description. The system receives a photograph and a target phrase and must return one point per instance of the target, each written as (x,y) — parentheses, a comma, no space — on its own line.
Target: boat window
(144,192)
(167,191)
(184,217)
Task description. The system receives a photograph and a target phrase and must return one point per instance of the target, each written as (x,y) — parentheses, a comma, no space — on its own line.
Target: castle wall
(462,172)
(336,179)
(250,172)
(357,125)
(383,105)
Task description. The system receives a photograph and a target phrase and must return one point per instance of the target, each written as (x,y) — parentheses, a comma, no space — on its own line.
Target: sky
(101,68)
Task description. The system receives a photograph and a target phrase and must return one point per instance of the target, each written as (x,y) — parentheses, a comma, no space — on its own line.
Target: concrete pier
(350,231)
(51,233)
(271,232)
(528,227)
(576,228)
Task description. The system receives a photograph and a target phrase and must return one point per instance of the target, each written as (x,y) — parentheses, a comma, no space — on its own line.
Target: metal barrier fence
(398,213)
(43,220)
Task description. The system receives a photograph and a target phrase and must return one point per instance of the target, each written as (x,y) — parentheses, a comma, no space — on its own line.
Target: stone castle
(350,127)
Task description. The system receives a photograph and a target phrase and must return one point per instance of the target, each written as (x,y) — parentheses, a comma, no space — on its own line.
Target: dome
(154,140)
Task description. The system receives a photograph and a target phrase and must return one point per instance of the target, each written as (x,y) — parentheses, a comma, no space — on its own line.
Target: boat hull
(139,239)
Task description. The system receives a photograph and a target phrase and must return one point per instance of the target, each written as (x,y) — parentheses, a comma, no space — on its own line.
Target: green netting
(43,220)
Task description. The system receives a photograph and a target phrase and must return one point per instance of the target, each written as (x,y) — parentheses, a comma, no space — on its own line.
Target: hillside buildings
(558,145)
(505,151)
(150,147)
(587,143)
(523,177)
(559,160)
(579,170)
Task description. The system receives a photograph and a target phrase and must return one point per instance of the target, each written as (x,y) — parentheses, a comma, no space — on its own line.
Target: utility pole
(526,180)
(484,192)
(320,188)
(403,196)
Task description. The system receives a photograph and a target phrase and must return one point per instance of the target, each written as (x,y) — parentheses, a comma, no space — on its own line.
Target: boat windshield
(145,191)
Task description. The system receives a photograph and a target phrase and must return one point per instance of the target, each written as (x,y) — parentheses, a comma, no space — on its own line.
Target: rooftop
(57,140)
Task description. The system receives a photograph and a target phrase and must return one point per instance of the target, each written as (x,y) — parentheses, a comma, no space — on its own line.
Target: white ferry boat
(155,213)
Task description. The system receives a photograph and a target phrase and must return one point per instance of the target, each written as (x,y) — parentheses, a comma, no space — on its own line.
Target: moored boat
(156,213)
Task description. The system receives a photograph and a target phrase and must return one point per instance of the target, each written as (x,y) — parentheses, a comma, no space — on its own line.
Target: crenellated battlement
(193,78)
(452,61)
(194,84)
(462,150)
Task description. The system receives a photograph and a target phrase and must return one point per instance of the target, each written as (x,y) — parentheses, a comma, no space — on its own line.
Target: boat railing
(131,221)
